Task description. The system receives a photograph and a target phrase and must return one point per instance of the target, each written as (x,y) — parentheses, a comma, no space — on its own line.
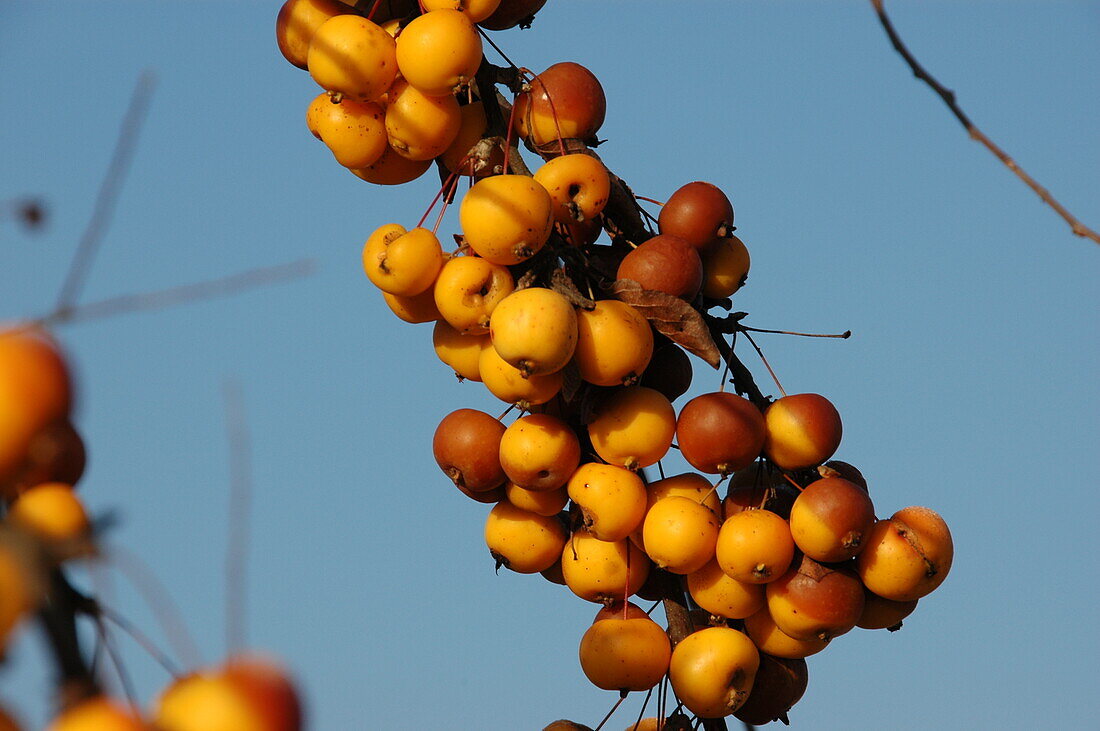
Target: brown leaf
(570,381)
(673,317)
(566,287)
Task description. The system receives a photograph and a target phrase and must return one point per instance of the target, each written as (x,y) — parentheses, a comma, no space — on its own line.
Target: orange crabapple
(460,352)
(830,519)
(296,23)
(20,589)
(625,654)
(720,432)
(614,344)
(402,262)
(419,126)
(666,264)
(778,685)
(439,51)
(509,385)
(713,590)
(755,546)
(725,267)
(680,534)
(633,427)
(52,512)
(688,484)
(611,499)
(475,10)
(522,541)
(879,613)
(207,701)
(761,628)
(392,169)
(466,447)
(353,57)
(539,452)
(100,713)
(579,186)
(534,330)
(506,219)
(355,132)
(467,291)
(700,213)
(541,502)
(812,600)
(465,155)
(801,430)
(565,101)
(712,671)
(906,556)
(415,309)
(602,571)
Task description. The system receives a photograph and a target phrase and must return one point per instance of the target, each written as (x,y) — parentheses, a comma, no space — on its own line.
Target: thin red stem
(766,364)
(442,190)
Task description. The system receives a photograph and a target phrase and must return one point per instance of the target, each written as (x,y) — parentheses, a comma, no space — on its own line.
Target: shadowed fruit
(468,142)
(830,519)
(717,593)
(509,385)
(413,310)
(542,502)
(761,628)
(669,371)
(392,169)
(475,10)
(351,56)
(419,126)
(439,52)
(725,267)
(268,688)
(511,13)
(879,613)
(461,352)
(296,23)
(779,684)
(700,213)
(666,264)
(565,100)
(801,430)
(625,654)
(466,446)
(815,601)
(712,671)
(720,432)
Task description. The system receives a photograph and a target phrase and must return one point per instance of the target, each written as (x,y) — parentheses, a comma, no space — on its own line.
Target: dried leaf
(570,381)
(673,317)
(561,283)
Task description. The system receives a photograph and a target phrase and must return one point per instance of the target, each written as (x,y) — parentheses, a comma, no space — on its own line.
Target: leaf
(570,381)
(561,283)
(672,317)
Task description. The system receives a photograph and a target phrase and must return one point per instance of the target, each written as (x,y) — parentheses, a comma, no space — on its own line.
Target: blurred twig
(240,497)
(948,98)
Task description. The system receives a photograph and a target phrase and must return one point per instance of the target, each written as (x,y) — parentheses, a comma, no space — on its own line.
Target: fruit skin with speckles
(712,671)
(466,446)
(578,184)
(611,499)
(539,452)
(506,219)
(351,56)
(614,344)
(402,262)
(830,519)
(522,541)
(355,132)
(906,556)
(439,51)
(467,291)
(815,601)
(603,571)
(534,330)
(565,98)
(419,126)
(625,654)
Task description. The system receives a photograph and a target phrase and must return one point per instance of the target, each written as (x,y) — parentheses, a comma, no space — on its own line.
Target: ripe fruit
(879,613)
(52,512)
(611,499)
(103,714)
(578,184)
(566,100)
(207,701)
(779,684)
(351,56)
(700,213)
(467,290)
(812,600)
(669,371)
(7,723)
(439,52)
(413,310)
(534,330)
(298,20)
(539,452)
(460,352)
(488,158)
(633,427)
(19,590)
(614,343)
(773,641)
(269,690)
(467,448)
(688,484)
(625,654)
(354,131)
(801,430)
(830,519)
(602,571)
(717,593)
(506,218)
(680,534)
(906,556)
(475,10)
(402,262)
(392,169)
(542,502)
(665,264)
(420,127)
(725,267)
(720,432)
(54,454)
(755,546)
(522,541)
(509,385)
(712,671)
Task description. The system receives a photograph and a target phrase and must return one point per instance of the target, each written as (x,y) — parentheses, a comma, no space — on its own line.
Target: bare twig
(108,192)
(240,497)
(948,98)
(183,294)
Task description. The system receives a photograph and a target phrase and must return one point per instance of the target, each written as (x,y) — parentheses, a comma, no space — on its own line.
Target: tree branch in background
(976,134)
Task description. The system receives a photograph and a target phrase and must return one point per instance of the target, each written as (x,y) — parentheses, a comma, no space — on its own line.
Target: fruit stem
(442,190)
(766,364)
(648,200)
(622,697)
(842,336)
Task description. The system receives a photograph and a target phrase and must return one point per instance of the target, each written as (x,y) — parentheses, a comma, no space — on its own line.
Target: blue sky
(969,386)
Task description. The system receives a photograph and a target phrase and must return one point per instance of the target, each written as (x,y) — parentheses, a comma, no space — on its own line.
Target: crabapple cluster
(45,526)
(771,549)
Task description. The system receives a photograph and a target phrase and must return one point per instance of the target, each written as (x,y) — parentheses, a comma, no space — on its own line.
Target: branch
(948,97)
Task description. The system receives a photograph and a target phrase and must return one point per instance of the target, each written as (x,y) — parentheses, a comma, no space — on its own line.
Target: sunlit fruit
(879,613)
(712,671)
(688,484)
(522,541)
(779,684)
(509,385)
(534,330)
(700,213)
(602,571)
(100,713)
(578,184)
(402,262)
(633,427)
(801,430)
(679,534)
(511,13)
(625,654)
(51,511)
(539,452)
(830,519)
(542,502)
(466,446)
(720,432)
(475,10)
(415,309)
(669,371)
(296,23)
(506,218)
(761,628)
(351,56)
(392,169)
(268,688)
(813,600)
(713,590)
(611,499)
(565,101)
(419,126)
(468,154)
(614,344)
(439,51)
(355,132)
(207,701)
(460,352)
(468,289)
(755,546)
(666,264)
(906,556)
(725,267)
